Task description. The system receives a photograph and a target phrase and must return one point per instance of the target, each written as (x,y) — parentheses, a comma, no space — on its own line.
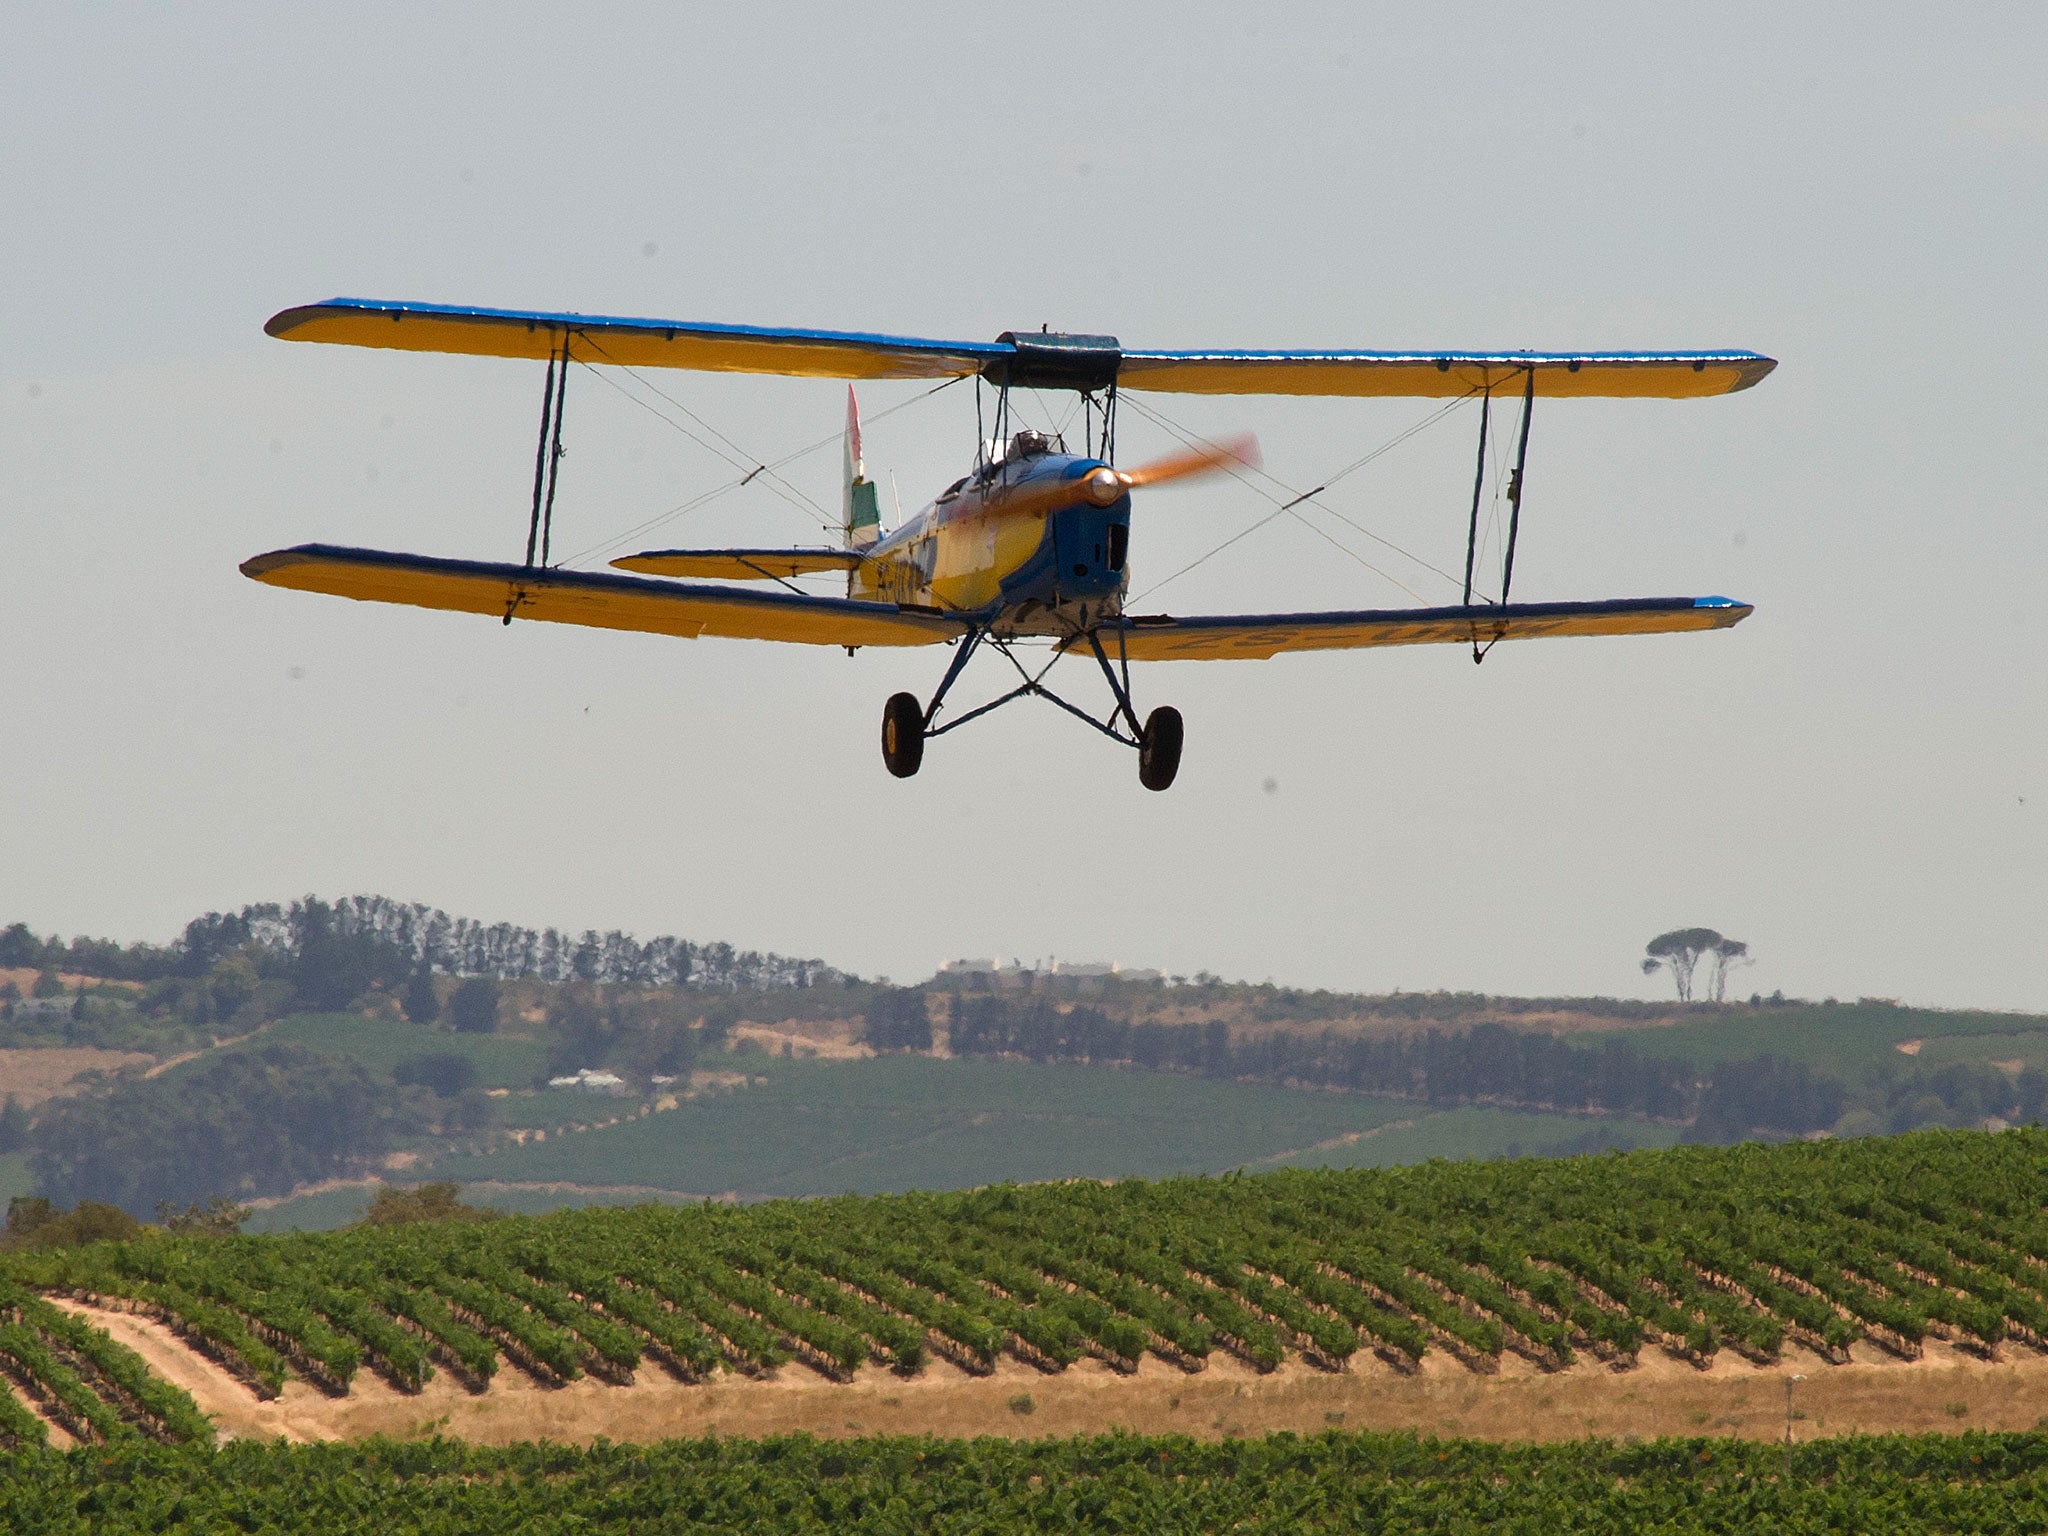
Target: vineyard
(82,1381)
(1332,1482)
(1688,1252)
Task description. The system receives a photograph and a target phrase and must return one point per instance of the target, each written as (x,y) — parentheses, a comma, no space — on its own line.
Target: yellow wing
(1020,358)
(538,334)
(597,599)
(740,564)
(1255,637)
(1567,375)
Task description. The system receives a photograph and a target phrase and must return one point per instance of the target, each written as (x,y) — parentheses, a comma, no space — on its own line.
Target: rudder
(860,516)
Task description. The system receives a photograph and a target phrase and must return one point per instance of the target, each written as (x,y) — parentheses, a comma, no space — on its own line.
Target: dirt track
(1660,1396)
(34,1074)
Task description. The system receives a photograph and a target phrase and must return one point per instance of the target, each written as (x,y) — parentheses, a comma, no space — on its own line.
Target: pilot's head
(1027,442)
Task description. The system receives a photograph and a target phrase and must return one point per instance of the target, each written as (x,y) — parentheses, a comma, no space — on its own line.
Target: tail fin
(862,521)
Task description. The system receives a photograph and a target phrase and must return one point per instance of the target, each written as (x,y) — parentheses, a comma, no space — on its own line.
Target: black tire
(903,734)
(1159,748)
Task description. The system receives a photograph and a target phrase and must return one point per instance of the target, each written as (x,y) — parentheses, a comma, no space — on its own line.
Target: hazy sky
(1855,781)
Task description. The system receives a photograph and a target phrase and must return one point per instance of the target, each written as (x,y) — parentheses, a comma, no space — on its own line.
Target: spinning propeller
(1102,485)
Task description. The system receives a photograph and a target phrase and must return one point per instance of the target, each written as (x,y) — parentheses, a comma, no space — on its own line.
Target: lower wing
(1256,636)
(599,600)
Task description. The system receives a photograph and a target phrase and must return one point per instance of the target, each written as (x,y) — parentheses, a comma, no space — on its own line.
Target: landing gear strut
(906,724)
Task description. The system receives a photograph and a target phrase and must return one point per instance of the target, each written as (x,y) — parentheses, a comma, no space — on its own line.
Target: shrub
(473,1010)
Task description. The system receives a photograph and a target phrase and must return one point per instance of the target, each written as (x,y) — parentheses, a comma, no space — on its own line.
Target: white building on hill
(591,1080)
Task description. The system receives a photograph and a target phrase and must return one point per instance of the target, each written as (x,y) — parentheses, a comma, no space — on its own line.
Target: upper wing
(1257,636)
(642,343)
(597,599)
(1642,375)
(1026,358)
(740,564)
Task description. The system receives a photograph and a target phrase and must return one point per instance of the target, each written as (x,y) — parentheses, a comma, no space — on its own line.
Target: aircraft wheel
(903,734)
(1159,748)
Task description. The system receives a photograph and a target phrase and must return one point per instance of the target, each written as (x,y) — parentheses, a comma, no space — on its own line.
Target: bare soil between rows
(1946,1390)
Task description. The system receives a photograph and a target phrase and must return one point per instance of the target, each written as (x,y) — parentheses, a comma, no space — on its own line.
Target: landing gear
(1159,748)
(907,725)
(903,734)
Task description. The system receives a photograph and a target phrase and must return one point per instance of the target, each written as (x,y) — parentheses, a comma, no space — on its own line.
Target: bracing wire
(1297,498)
(752,467)
(867,420)
(1186,435)
(1243,533)
(731,452)
(640,530)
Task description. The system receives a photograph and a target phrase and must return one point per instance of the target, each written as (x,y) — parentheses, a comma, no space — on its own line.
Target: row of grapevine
(68,1373)
(1901,1485)
(1692,1251)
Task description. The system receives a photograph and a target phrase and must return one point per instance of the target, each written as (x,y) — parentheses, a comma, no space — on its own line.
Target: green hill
(1847,1037)
(1041,1078)
(898,1123)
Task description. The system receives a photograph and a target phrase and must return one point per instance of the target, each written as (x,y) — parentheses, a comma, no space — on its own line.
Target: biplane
(1032,544)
